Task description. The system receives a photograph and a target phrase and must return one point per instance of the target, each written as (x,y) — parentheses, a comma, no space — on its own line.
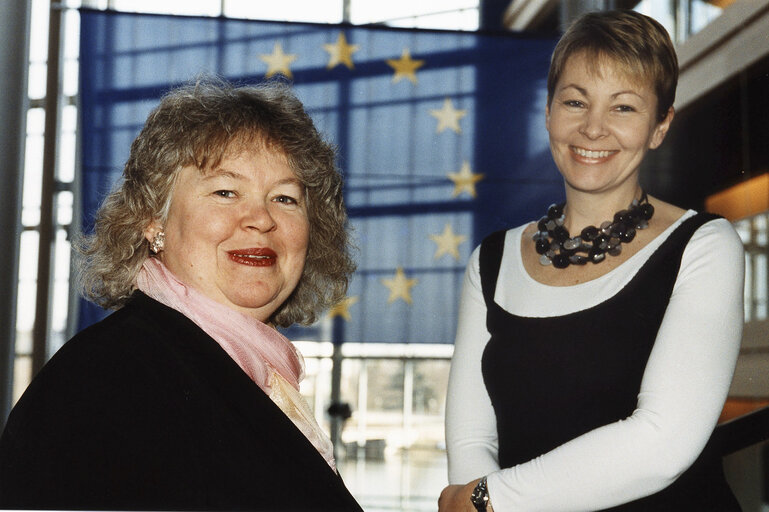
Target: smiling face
(601,124)
(239,232)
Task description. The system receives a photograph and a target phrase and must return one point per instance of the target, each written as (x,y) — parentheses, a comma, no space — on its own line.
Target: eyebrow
(218,173)
(291,181)
(583,91)
(629,91)
(579,89)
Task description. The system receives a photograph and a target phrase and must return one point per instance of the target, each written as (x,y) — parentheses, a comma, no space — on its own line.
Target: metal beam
(47,229)
(528,14)
(14,63)
(491,14)
(727,46)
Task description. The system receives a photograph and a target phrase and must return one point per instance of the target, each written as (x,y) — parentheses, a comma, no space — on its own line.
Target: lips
(593,155)
(254,257)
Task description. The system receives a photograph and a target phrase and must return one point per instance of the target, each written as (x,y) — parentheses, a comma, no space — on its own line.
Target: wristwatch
(480,496)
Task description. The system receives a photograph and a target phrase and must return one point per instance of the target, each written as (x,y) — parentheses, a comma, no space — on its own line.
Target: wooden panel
(742,200)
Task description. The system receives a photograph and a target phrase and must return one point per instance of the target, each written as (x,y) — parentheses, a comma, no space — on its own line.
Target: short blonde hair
(637,43)
(197,124)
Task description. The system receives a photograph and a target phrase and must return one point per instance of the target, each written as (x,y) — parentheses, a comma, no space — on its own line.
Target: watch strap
(480,496)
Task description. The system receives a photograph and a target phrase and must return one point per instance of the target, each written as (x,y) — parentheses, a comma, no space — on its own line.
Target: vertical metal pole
(362,407)
(408,397)
(47,202)
(491,14)
(73,303)
(14,65)
(408,425)
(336,422)
(680,21)
(754,261)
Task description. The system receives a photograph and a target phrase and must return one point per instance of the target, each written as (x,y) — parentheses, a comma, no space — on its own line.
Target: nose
(259,217)
(593,125)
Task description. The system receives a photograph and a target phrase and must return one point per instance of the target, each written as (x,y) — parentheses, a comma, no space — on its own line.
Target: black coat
(146,411)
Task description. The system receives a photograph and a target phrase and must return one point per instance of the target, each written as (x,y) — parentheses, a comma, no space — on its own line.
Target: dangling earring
(158,242)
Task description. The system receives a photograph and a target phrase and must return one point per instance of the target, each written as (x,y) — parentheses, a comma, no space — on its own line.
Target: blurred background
(437,107)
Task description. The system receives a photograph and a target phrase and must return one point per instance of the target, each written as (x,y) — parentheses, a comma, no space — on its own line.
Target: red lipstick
(254,257)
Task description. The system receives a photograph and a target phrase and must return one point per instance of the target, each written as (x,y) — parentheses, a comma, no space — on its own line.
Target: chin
(591,187)
(264,305)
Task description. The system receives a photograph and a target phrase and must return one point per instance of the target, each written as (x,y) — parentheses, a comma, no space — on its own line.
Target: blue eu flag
(440,134)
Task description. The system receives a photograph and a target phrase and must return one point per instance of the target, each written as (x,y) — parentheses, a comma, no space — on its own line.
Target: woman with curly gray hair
(229,221)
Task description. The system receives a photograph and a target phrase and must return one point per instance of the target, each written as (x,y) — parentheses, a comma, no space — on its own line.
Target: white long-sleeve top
(684,386)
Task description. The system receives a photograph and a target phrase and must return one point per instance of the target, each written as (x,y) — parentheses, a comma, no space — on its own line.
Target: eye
(229,194)
(574,103)
(285,199)
(624,108)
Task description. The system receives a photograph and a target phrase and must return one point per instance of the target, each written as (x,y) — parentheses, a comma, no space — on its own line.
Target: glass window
(753,232)
(33,168)
(681,19)
(430,381)
(317,11)
(183,7)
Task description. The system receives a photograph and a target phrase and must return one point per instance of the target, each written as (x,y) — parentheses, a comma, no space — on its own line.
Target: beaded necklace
(556,246)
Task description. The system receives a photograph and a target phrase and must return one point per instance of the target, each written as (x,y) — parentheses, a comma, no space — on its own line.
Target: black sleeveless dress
(553,379)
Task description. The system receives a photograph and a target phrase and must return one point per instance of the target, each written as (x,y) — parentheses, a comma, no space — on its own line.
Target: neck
(590,209)
(557,245)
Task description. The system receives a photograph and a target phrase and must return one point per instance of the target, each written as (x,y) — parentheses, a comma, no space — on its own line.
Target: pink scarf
(267,357)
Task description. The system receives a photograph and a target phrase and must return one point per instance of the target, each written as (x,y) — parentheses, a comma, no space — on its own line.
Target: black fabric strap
(490,259)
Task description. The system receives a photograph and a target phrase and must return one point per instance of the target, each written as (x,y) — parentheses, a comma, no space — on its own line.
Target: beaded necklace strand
(556,246)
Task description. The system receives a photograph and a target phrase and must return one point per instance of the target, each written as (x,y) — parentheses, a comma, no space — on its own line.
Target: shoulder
(123,357)
(503,239)
(134,331)
(715,230)
(716,239)
(718,229)
(499,242)
(111,391)
(514,232)
(713,257)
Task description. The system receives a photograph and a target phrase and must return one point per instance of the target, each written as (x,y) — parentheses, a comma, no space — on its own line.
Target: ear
(661,130)
(152,229)
(547,117)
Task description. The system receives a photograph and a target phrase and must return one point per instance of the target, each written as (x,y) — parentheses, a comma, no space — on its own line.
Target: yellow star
(405,67)
(278,62)
(464,180)
(448,116)
(342,308)
(448,242)
(400,286)
(340,52)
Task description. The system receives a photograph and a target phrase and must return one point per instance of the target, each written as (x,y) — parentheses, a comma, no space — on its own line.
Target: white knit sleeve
(684,386)
(471,431)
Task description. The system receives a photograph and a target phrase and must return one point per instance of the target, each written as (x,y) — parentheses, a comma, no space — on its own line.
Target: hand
(456,498)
